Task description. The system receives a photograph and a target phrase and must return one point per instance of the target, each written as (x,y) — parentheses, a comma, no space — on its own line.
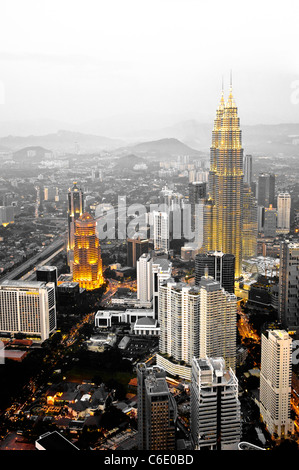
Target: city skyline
(149,227)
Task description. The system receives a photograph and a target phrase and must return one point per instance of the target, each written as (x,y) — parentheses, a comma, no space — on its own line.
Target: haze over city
(115,68)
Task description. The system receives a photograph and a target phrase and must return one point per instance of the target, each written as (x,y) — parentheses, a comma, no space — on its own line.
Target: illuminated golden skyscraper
(223,224)
(75,210)
(87,267)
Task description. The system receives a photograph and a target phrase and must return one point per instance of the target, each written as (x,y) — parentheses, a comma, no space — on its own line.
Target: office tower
(248,169)
(6,215)
(87,267)
(223,231)
(135,248)
(283,212)
(161,231)
(260,218)
(215,407)
(197,195)
(75,210)
(270,221)
(144,278)
(179,308)
(266,190)
(250,223)
(218,319)
(161,271)
(275,382)
(221,267)
(51,194)
(28,308)
(47,274)
(253,188)
(288,306)
(157,412)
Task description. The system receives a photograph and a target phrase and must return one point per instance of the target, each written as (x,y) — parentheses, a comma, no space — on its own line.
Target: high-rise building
(223,232)
(217,325)
(157,411)
(275,382)
(260,218)
(250,223)
(215,407)
(7,214)
(161,271)
(195,321)
(75,210)
(288,303)
(28,308)
(145,278)
(266,190)
(283,212)
(179,310)
(87,267)
(161,231)
(270,221)
(135,248)
(47,274)
(221,267)
(197,195)
(248,169)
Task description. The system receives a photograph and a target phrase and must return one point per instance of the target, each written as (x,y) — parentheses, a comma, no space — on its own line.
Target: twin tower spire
(230,102)
(224,211)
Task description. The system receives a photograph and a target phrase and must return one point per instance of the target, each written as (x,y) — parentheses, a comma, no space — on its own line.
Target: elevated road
(30,264)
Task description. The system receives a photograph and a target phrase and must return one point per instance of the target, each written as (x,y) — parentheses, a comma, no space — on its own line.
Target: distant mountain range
(169,147)
(62,141)
(259,139)
(187,137)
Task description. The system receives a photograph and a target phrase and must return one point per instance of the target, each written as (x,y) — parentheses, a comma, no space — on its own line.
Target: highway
(24,268)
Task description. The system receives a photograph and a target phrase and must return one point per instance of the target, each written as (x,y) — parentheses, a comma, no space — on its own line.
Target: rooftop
(54,441)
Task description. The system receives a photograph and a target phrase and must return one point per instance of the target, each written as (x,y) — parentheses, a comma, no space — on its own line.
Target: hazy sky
(149,63)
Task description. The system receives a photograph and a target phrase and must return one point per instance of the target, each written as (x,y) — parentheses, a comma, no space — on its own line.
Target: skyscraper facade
(87,267)
(275,382)
(266,190)
(75,210)
(135,248)
(248,169)
(217,325)
(157,410)
(224,231)
(270,221)
(161,231)
(161,271)
(215,407)
(28,308)
(197,194)
(283,212)
(144,278)
(288,299)
(179,310)
(250,223)
(221,267)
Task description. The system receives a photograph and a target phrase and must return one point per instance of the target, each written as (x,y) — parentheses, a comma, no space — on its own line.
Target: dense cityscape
(149,290)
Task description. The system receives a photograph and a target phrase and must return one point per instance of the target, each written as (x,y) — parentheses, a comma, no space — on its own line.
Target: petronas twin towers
(223,209)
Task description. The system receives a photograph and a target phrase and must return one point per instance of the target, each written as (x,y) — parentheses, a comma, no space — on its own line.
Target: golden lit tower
(223,224)
(87,267)
(75,210)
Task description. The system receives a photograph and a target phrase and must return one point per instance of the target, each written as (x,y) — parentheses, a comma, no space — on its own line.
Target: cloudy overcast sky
(148,63)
